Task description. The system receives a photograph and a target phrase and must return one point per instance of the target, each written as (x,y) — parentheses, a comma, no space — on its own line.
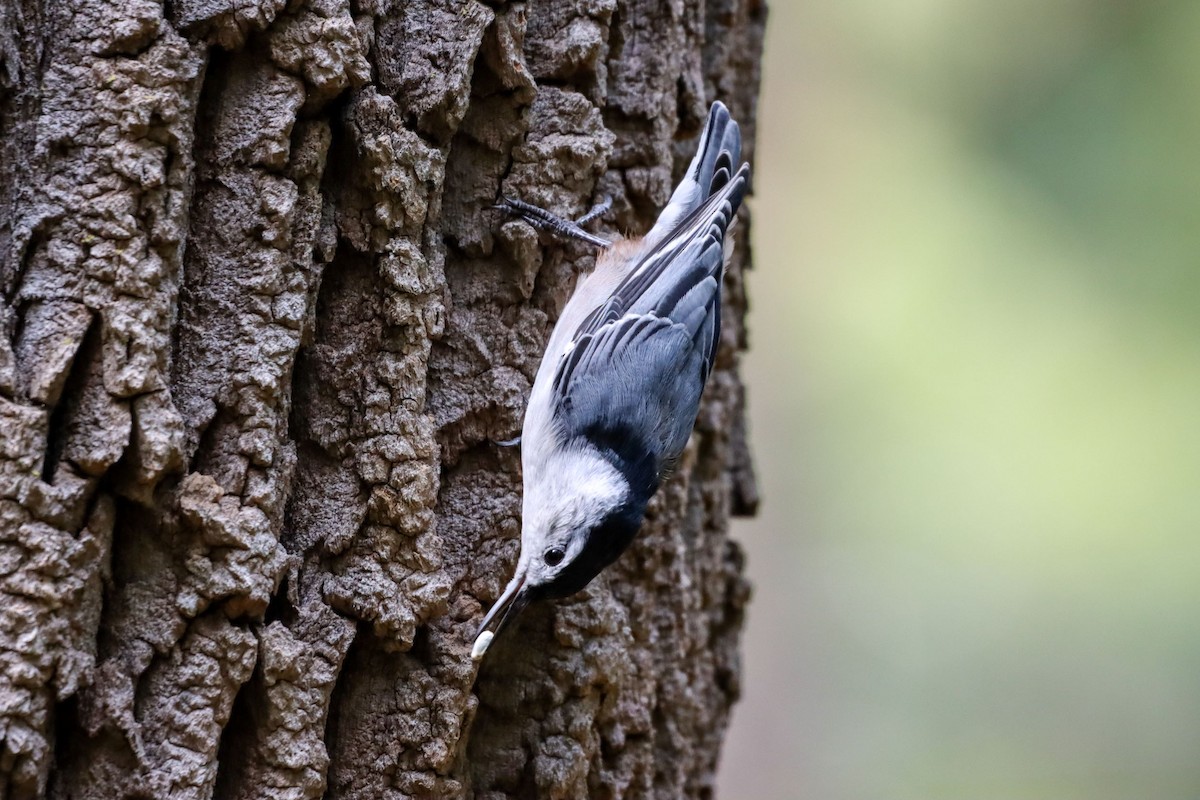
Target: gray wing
(693,250)
(630,382)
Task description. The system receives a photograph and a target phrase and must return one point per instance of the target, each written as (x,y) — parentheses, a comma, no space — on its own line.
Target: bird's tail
(717,156)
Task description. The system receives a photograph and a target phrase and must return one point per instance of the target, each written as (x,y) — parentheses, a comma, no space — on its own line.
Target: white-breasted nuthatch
(617,393)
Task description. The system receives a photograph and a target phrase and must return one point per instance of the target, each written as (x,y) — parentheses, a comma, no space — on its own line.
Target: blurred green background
(974,376)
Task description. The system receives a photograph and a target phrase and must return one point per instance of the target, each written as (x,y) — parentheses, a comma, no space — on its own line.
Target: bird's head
(579,516)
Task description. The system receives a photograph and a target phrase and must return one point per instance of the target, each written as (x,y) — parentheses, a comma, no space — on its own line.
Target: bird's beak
(506,609)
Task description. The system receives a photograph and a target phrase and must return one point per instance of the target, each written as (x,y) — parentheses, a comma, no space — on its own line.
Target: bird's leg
(543,220)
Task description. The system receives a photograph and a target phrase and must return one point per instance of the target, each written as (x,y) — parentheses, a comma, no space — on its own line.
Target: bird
(616,395)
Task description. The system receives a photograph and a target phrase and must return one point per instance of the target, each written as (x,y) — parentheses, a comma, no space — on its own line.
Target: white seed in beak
(481,645)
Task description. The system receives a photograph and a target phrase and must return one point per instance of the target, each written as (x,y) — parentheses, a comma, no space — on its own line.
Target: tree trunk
(262,332)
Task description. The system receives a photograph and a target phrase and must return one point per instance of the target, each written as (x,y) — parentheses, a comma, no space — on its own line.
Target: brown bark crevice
(262,334)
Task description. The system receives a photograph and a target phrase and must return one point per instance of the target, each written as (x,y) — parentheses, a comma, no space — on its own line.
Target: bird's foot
(543,220)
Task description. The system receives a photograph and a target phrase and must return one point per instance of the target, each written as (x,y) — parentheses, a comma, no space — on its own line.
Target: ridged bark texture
(261,331)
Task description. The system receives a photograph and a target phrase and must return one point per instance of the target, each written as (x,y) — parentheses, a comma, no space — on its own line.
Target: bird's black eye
(554,556)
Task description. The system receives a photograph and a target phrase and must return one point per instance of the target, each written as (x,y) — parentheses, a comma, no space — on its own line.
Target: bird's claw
(543,220)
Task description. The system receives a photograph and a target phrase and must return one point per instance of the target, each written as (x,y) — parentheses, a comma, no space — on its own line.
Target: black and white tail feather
(717,156)
(617,394)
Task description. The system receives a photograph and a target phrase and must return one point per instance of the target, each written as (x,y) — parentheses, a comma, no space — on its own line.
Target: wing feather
(637,364)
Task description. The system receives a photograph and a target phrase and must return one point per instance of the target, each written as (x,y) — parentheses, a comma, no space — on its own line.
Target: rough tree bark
(261,332)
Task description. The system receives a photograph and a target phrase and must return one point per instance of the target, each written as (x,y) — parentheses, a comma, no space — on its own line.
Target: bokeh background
(974,378)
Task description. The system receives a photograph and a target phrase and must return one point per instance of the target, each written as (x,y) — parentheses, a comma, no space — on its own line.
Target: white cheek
(540,573)
(574,550)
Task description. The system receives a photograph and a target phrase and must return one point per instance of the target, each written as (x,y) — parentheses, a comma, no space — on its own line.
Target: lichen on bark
(262,332)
